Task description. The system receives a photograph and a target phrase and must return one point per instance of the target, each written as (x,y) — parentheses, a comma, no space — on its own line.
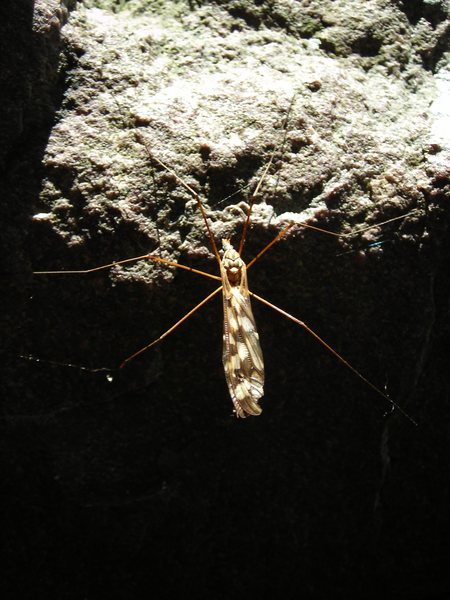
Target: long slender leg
(188,187)
(161,337)
(197,198)
(333,352)
(260,182)
(284,231)
(166,333)
(128,260)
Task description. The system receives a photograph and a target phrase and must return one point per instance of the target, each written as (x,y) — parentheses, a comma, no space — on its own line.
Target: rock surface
(321,493)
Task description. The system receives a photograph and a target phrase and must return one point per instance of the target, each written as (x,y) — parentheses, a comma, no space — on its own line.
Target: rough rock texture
(121,483)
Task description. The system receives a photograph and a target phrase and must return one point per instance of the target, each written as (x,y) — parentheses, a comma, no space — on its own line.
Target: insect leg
(334,353)
(128,260)
(166,333)
(284,231)
(190,190)
(260,182)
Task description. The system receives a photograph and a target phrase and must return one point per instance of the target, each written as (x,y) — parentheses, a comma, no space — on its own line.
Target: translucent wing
(242,355)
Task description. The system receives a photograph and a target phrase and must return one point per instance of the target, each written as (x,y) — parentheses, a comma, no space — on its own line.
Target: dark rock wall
(138,482)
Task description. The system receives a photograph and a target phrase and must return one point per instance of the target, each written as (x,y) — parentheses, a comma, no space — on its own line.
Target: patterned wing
(242,356)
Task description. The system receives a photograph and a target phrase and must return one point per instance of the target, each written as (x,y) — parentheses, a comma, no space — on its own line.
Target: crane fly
(241,355)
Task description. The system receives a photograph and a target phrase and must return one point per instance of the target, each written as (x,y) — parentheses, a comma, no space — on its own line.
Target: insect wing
(242,356)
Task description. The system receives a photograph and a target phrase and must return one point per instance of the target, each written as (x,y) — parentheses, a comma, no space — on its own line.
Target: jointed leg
(260,182)
(283,232)
(190,190)
(333,352)
(128,260)
(166,333)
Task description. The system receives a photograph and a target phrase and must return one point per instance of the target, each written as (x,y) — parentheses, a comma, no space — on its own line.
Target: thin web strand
(56,363)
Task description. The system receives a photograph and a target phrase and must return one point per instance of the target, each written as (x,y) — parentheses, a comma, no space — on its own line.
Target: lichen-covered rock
(348,100)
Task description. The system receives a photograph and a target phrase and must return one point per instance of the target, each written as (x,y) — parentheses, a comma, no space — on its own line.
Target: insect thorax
(232,263)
